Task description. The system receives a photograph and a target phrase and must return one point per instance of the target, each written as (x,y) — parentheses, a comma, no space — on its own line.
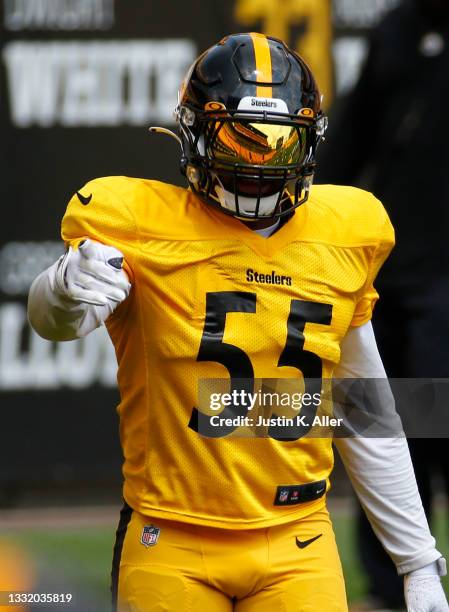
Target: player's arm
(382,474)
(82,289)
(78,292)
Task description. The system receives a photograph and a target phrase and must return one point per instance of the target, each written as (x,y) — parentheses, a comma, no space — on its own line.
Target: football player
(249,274)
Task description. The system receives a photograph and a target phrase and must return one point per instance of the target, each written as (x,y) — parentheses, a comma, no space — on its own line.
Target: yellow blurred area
(305,25)
(17,573)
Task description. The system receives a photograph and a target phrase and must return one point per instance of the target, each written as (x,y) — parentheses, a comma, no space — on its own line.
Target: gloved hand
(92,274)
(423,589)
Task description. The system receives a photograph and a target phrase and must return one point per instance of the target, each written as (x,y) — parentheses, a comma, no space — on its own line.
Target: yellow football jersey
(211,299)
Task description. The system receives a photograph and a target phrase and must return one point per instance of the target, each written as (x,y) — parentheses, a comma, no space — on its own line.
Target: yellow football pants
(294,567)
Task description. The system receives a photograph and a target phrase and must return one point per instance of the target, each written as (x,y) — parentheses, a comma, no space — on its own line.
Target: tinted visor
(264,144)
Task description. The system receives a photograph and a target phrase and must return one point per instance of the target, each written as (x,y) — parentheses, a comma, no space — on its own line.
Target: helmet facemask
(251,165)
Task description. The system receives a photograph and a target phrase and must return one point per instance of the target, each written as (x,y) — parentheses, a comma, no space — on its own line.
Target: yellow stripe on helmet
(263,65)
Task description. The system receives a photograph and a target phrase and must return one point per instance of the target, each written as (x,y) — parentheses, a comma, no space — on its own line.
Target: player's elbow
(45,325)
(47,332)
(45,316)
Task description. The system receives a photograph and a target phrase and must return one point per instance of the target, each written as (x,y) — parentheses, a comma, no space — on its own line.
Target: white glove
(423,589)
(93,275)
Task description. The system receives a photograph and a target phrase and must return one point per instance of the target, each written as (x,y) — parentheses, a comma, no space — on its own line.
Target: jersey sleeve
(101,211)
(368,296)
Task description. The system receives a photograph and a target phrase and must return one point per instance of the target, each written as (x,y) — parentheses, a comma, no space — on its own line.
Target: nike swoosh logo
(300,544)
(84,199)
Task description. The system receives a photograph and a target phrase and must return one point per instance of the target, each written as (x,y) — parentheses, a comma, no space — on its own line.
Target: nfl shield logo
(283,495)
(150,535)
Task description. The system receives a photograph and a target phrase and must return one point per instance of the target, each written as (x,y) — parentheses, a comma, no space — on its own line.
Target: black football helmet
(250,122)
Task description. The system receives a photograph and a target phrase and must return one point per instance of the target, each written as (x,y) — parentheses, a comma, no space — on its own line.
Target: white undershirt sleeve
(56,317)
(381,470)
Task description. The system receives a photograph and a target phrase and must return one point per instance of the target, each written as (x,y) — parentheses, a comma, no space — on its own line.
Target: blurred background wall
(80,82)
